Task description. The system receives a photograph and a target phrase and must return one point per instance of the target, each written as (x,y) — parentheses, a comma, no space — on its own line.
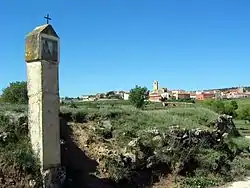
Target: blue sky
(114,45)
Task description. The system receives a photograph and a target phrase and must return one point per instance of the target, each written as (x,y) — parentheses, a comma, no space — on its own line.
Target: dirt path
(241,184)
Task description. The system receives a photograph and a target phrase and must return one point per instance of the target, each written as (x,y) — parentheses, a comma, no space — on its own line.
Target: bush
(234,105)
(199,181)
(138,95)
(244,113)
(229,109)
(221,107)
(72,105)
(79,116)
(15,147)
(15,93)
(218,106)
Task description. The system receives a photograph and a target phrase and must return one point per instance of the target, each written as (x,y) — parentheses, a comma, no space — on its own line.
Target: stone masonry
(42,57)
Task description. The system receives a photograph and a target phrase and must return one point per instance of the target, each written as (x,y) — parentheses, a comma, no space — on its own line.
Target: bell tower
(155,85)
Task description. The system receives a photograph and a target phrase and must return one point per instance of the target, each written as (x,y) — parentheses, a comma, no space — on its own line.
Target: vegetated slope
(130,148)
(115,147)
(18,167)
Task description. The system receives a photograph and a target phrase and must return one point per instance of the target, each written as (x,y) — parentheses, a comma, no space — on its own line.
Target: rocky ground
(96,151)
(102,150)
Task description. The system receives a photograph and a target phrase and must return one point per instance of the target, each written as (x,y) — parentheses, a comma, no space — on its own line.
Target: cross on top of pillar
(47,18)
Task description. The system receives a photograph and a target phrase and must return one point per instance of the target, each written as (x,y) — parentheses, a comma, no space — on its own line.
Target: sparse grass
(13,107)
(192,117)
(124,118)
(124,104)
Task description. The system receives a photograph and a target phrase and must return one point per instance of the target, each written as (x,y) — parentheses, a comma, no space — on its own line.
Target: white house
(125,96)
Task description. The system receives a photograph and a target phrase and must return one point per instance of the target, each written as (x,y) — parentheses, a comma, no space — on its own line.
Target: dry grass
(165,182)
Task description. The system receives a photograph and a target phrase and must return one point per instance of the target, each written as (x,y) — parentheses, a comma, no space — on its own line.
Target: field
(112,144)
(242,102)
(243,126)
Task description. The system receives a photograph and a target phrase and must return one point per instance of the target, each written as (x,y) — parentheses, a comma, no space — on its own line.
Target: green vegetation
(155,144)
(111,95)
(238,108)
(240,102)
(234,105)
(16,155)
(221,107)
(243,127)
(135,137)
(179,100)
(138,96)
(15,93)
(244,113)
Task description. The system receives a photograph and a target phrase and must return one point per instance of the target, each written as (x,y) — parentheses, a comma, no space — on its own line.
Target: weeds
(15,147)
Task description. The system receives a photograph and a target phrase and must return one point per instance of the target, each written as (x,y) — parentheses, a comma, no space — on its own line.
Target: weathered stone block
(42,44)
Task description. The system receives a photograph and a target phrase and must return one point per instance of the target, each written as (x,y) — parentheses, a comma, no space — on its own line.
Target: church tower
(155,86)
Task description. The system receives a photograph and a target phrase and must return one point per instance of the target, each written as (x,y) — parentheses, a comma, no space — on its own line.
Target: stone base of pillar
(54,177)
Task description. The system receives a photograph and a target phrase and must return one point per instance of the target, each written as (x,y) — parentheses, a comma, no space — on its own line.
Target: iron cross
(47,18)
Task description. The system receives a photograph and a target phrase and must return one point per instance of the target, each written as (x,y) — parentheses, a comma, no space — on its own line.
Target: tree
(229,109)
(15,93)
(163,99)
(221,107)
(234,104)
(102,96)
(138,96)
(218,106)
(244,113)
(110,94)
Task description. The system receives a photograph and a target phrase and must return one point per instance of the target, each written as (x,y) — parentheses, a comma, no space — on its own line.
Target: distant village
(225,93)
(157,94)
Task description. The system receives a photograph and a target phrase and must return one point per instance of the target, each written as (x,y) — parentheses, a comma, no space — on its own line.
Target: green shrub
(104,133)
(15,147)
(15,93)
(244,113)
(117,170)
(214,161)
(79,116)
(138,96)
(230,110)
(199,181)
(234,105)
(240,168)
(72,105)
(221,107)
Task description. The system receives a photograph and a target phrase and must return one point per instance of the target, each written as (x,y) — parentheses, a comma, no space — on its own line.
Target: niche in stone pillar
(49,49)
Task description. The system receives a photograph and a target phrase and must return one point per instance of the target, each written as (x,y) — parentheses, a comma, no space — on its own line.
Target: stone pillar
(42,57)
